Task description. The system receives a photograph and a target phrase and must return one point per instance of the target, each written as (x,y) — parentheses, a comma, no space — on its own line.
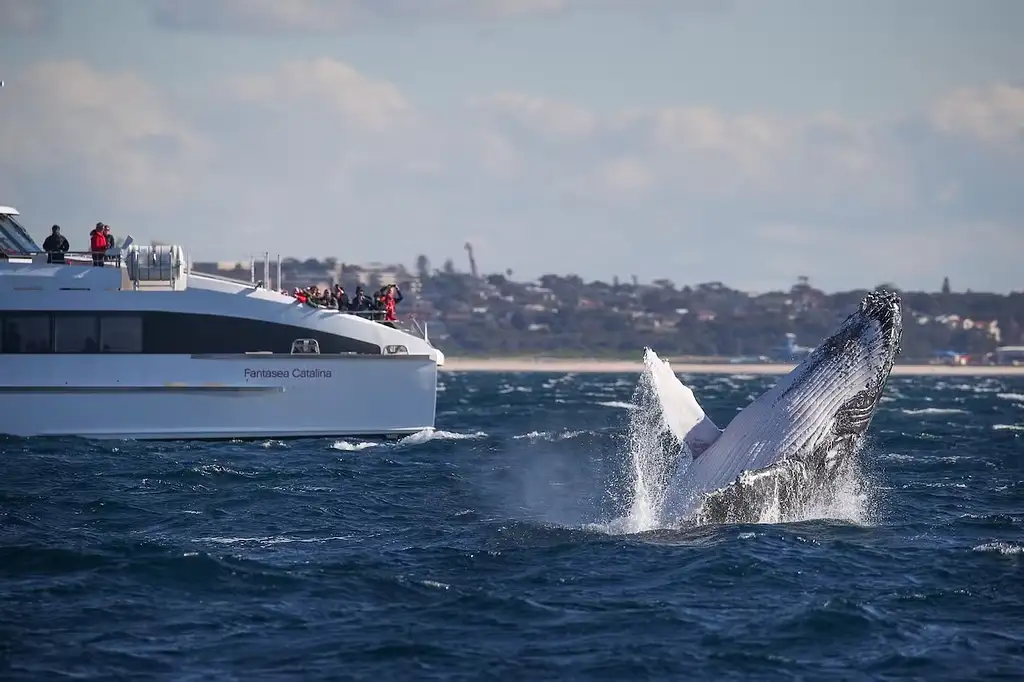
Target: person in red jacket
(391,297)
(98,245)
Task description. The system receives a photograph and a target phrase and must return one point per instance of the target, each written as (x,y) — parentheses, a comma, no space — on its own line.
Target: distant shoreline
(590,366)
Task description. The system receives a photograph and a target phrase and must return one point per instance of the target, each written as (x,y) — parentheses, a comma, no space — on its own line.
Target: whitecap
(427,435)
(268,540)
(1000,547)
(346,446)
(551,435)
(618,404)
(435,584)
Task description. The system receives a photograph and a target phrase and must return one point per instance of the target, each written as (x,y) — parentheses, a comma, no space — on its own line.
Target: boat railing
(220,278)
(409,325)
(67,257)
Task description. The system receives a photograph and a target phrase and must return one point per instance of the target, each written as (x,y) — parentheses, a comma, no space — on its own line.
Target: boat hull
(216,396)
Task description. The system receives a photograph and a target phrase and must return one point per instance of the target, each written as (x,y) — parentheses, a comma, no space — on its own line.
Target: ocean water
(519,541)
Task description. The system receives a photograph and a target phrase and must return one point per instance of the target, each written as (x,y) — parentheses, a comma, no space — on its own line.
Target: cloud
(330,86)
(994,115)
(112,133)
(625,175)
(285,16)
(874,199)
(315,143)
(703,152)
(552,117)
(27,16)
(315,157)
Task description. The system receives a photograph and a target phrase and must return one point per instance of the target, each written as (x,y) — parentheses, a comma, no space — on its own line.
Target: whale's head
(837,388)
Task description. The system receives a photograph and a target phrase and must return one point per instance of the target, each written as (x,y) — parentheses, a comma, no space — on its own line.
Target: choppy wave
(622,405)
(513,541)
(1008,548)
(934,411)
(418,438)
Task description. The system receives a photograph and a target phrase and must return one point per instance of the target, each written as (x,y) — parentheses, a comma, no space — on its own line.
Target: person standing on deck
(98,245)
(55,246)
(360,301)
(391,297)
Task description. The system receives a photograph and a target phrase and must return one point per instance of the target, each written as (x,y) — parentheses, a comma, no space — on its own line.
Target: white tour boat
(145,348)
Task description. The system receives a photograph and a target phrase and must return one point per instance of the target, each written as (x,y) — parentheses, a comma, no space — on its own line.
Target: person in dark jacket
(98,245)
(340,297)
(360,301)
(378,302)
(55,246)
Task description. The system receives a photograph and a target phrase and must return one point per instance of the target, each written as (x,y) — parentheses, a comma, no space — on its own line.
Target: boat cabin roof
(15,239)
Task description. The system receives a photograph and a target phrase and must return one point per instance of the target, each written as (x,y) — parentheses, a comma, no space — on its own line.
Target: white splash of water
(654,445)
(851,500)
(418,438)
(855,499)
(1007,548)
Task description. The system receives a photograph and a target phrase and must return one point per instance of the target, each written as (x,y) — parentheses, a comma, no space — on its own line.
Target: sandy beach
(592,365)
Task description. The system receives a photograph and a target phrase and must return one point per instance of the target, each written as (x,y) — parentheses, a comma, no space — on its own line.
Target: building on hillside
(300,274)
(1008,355)
(375,275)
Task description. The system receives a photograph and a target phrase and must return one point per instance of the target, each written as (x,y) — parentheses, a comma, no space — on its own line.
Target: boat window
(76,333)
(121,334)
(161,333)
(7,247)
(14,237)
(26,333)
(198,334)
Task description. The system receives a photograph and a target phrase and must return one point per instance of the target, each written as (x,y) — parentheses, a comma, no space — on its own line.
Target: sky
(740,141)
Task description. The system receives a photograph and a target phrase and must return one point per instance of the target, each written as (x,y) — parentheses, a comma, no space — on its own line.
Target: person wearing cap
(55,246)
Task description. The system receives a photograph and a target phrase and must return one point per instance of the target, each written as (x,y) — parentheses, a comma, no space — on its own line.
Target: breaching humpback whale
(793,441)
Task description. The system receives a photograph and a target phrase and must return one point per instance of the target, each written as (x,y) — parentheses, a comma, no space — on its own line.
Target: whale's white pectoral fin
(683,414)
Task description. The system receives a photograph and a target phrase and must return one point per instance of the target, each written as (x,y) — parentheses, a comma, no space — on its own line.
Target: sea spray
(787,492)
(654,445)
(853,497)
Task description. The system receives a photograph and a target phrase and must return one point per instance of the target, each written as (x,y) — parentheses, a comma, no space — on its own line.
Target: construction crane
(472,261)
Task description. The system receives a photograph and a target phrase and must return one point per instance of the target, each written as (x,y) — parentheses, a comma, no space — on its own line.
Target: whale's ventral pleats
(792,442)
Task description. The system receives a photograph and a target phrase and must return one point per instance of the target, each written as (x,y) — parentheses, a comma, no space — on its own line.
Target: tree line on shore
(565,316)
